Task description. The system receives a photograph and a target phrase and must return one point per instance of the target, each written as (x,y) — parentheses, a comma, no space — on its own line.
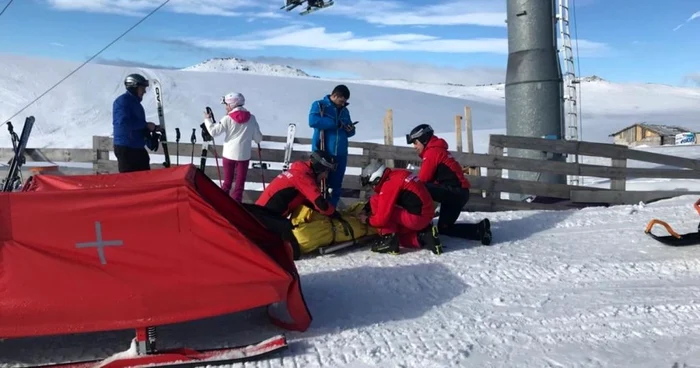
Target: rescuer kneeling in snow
(401,209)
(296,187)
(445,180)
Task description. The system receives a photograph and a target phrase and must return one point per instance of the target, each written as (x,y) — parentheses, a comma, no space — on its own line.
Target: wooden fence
(486,190)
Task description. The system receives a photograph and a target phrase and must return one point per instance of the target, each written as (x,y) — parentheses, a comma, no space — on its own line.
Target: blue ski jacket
(129,121)
(325,116)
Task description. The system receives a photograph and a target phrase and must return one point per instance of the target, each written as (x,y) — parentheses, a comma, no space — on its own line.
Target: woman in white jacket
(240,127)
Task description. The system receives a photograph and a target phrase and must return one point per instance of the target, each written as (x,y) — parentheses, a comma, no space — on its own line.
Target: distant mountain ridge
(235,65)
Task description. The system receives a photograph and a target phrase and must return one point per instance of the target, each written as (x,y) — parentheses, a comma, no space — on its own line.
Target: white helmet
(372,173)
(233,99)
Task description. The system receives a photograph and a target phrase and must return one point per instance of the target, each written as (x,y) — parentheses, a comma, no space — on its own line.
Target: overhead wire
(87,61)
(5,8)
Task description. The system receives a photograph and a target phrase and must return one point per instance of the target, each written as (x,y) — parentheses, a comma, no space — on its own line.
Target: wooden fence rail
(486,190)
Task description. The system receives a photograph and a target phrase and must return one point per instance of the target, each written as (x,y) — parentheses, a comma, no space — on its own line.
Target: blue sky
(446,41)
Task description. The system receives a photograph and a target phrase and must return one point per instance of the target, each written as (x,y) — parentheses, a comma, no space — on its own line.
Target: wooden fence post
(389,133)
(458,133)
(494,173)
(619,184)
(468,127)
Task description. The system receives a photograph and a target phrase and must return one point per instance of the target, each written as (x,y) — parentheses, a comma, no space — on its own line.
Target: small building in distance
(653,135)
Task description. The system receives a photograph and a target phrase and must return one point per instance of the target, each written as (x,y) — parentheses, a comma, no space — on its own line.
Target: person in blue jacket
(130,129)
(331,116)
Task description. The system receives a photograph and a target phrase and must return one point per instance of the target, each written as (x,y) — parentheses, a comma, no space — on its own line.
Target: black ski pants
(132,159)
(452,200)
(277,224)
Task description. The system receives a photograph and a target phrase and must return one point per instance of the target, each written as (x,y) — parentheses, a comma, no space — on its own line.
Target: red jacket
(399,187)
(440,167)
(293,188)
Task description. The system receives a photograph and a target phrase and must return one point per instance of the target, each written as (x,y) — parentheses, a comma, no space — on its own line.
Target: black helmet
(422,133)
(322,161)
(135,80)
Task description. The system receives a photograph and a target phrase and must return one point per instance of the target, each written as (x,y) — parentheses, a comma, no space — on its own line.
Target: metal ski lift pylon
(675,239)
(311,5)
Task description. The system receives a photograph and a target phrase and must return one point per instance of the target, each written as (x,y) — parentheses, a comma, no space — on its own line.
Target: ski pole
(193,140)
(177,146)
(216,156)
(262,168)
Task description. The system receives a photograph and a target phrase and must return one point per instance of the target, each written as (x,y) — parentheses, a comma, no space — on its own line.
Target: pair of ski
(291,5)
(206,137)
(158,89)
(13,180)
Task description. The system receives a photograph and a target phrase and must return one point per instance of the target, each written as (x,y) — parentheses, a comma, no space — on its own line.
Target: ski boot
(386,244)
(429,239)
(484,231)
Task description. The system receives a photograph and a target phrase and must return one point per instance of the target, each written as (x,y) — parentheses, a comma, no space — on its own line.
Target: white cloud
(394,13)
(695,15)
(233,8)
(693,78)
(57,44)
(319,38)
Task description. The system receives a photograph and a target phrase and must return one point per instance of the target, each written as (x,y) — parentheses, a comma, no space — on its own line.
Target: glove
(152,141)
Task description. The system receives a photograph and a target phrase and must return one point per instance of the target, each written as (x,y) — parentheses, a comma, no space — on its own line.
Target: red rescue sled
(111,252)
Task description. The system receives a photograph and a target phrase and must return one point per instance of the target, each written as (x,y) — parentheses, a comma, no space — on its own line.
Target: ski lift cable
(5,8)
(87,61)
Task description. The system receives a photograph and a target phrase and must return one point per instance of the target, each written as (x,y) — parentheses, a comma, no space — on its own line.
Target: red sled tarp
(118,251)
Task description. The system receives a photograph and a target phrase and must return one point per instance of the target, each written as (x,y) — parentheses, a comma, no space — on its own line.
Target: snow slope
(81,106)
(606,106)
(235,65)
(579,288)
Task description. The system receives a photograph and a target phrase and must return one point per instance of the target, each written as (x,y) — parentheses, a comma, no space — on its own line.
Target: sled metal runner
(143,353)
(675,239)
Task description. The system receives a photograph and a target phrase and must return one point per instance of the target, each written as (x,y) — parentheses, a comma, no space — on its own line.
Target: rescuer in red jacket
(445,180)
(299,185)
(295,187)
(401,209)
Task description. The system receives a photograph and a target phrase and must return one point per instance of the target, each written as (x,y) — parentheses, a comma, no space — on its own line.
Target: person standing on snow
(401,210)
(296,187)
(241,128)
(131,131)
(445,180)
(330,116)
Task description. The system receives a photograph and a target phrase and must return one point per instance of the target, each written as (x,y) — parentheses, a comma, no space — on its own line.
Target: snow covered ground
(582,288)
(579,288)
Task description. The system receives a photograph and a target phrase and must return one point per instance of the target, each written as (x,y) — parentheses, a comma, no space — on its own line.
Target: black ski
(177,146)
(206,138)
(193,140)
(161,117)
(13,180)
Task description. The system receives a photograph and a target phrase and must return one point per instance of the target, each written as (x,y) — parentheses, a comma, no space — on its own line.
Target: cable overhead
(5,8)
(87,61)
